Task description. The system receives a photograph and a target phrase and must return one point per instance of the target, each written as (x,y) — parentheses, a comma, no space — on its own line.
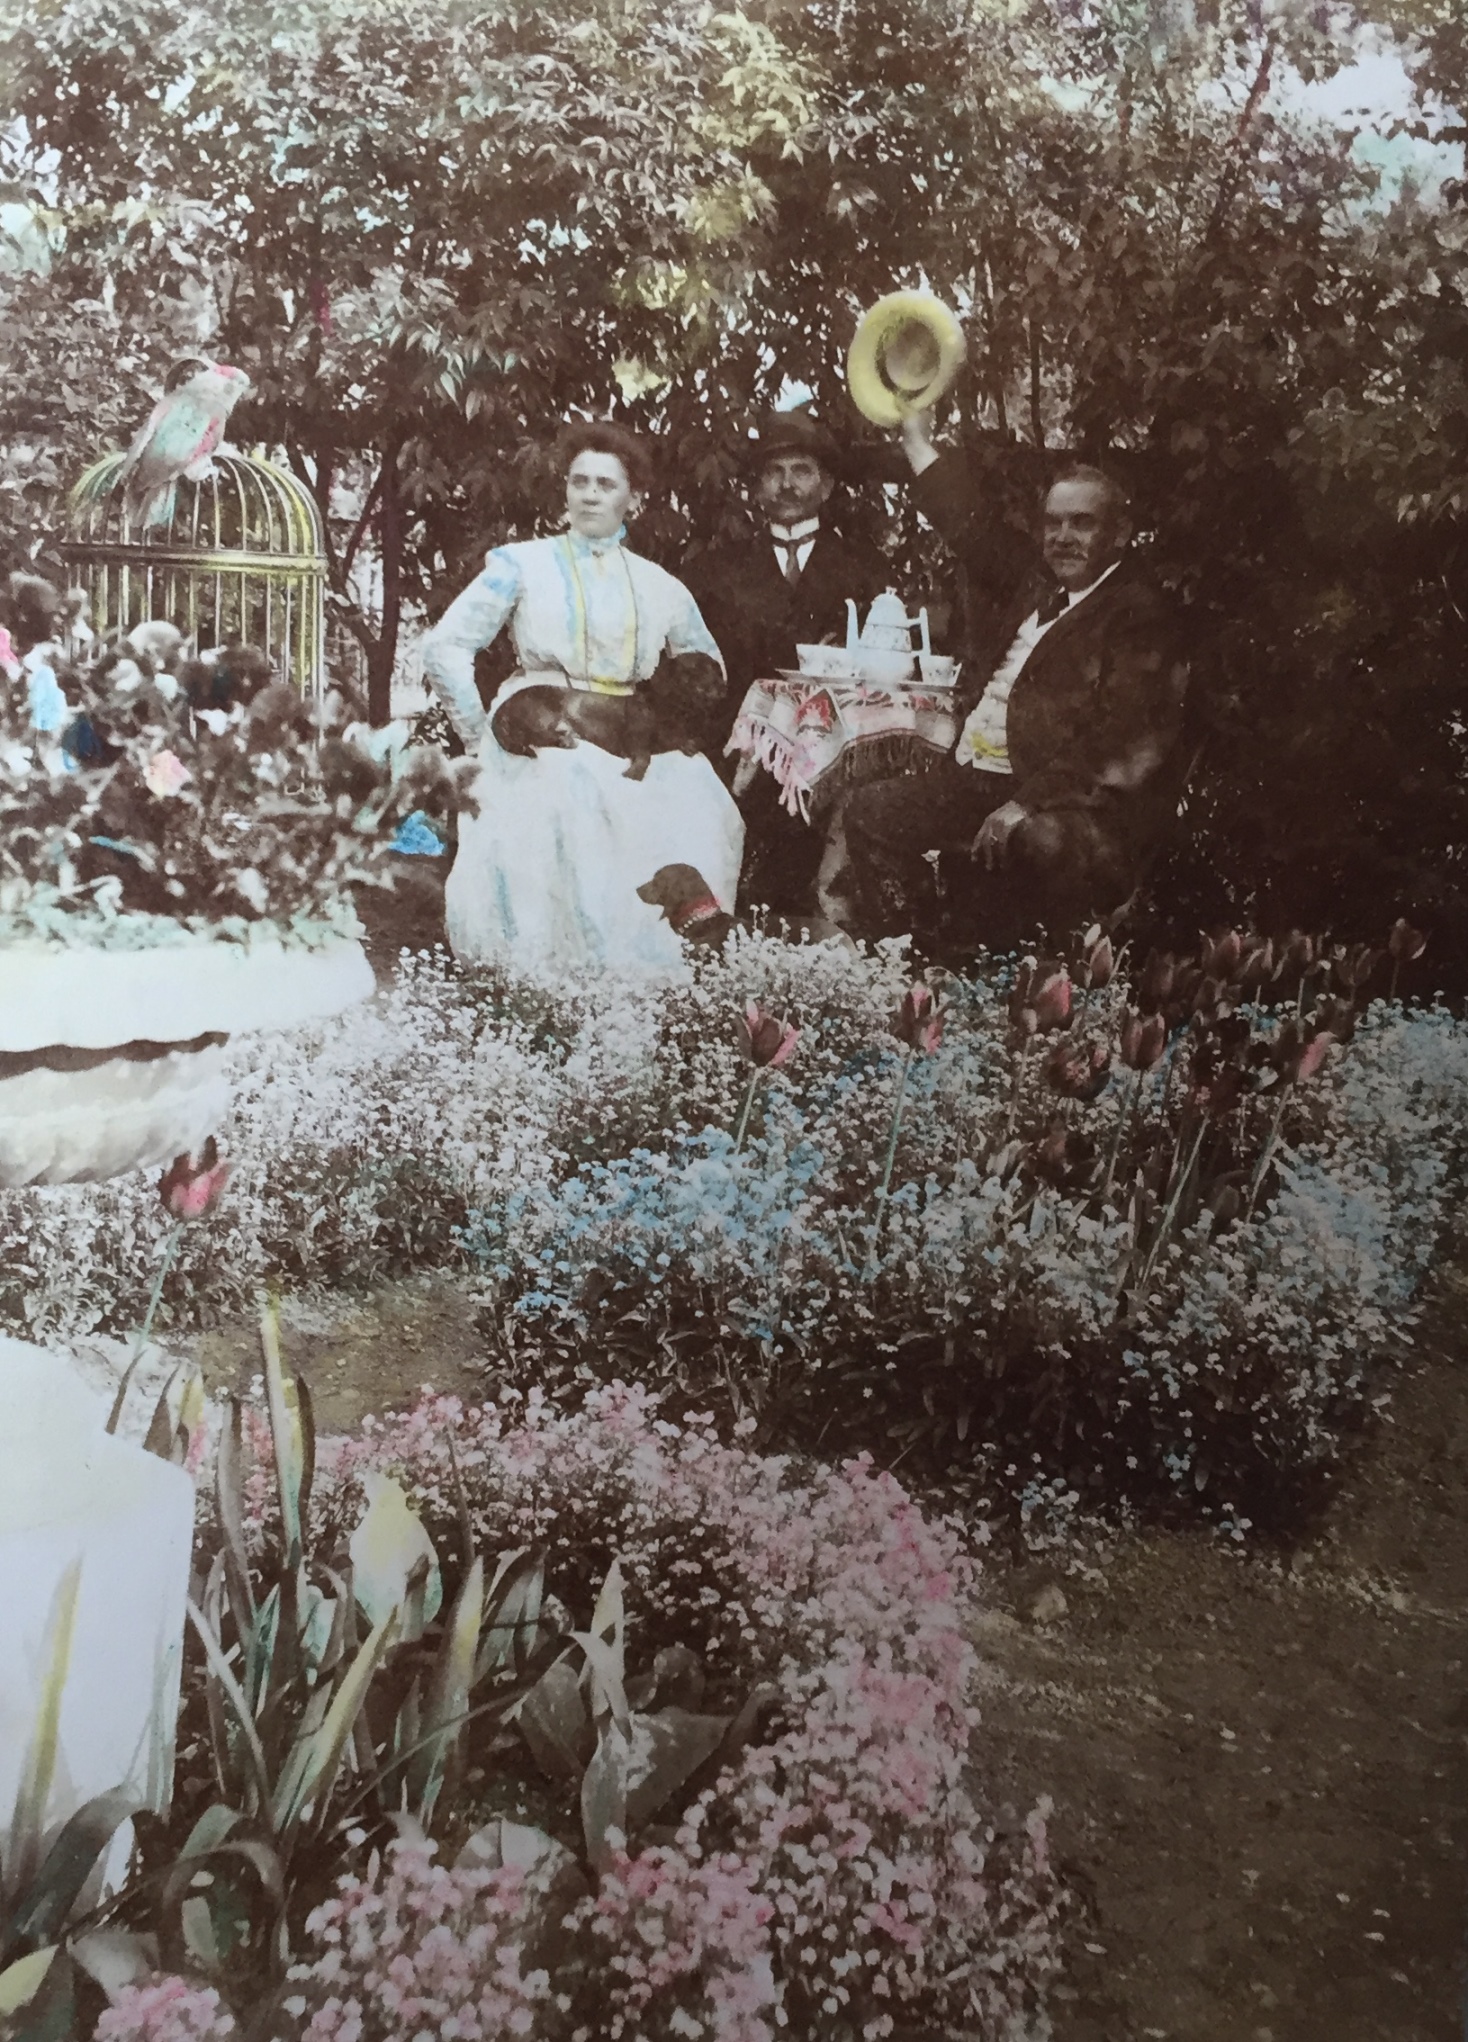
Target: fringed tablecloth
(820,737)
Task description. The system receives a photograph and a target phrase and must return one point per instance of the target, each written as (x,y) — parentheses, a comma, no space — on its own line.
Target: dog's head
(687,903)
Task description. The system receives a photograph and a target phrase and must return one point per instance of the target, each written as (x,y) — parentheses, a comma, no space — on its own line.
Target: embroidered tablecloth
(819,737)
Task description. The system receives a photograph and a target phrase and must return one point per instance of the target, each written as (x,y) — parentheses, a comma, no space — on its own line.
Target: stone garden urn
(112,1059)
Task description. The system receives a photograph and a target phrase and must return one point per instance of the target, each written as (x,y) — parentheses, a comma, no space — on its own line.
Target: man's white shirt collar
(1074,596)
(791,535)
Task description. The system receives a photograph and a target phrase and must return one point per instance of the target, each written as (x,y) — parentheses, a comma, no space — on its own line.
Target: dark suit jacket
(758,618)
(1095,716)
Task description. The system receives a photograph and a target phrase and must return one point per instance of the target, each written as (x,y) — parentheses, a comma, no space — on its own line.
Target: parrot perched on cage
(186,426)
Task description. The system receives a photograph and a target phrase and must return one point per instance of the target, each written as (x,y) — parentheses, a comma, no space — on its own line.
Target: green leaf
(604,1797)
(21,1981)
(34,1792)
(229,1496)
(554,1722)
(448,1696)
(386,1547)
(285,1432)
(40,1912)
(512,1613)
(311,1770)
(667,1749)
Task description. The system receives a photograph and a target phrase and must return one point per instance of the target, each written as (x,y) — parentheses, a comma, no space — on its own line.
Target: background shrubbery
(678,213)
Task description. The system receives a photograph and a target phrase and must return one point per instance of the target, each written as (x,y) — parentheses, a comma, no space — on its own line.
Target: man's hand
(917,440)
(992,842)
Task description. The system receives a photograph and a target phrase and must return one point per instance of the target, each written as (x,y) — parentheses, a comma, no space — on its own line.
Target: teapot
(888,627)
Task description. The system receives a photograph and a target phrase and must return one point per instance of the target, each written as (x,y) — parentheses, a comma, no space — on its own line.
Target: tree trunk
(383,656)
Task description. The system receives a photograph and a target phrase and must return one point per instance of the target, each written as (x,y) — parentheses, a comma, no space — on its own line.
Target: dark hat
(791,432)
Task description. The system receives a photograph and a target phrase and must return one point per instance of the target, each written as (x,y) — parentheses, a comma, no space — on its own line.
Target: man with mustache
(781,582)
(1067,770)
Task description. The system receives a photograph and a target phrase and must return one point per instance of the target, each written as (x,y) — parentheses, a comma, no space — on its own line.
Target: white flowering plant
(1180,1286)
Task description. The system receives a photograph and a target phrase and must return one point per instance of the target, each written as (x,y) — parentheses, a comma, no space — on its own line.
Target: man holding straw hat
(1068,768)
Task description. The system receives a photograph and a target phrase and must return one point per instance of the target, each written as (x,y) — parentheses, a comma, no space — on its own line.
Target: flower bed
(1177,1285)
(824,1871)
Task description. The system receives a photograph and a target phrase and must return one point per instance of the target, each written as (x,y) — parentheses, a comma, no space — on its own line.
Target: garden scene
(733,1072)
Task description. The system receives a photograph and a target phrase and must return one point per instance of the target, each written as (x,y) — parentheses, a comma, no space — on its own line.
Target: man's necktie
(791,549)
(1053,601)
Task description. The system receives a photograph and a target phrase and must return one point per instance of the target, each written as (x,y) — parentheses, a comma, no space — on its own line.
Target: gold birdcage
(241,560)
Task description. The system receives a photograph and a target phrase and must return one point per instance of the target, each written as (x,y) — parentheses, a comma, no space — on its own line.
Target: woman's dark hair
(600,436)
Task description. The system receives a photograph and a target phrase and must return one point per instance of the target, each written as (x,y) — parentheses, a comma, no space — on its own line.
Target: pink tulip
(165,773)
(188,1189)
(9,664)
(1142,1041)
(1312,1056)
(768,1042)
(1051,1002)
(919,1020)
(1100,964)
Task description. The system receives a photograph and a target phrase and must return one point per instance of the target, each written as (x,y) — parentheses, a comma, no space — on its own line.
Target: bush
(827,1870)
(1155,1246)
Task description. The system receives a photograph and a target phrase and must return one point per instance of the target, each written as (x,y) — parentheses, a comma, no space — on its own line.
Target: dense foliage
(1159,1247)
(688,1734)
(426,235)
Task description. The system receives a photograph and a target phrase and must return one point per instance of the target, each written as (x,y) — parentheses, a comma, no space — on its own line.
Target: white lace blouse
(584,611)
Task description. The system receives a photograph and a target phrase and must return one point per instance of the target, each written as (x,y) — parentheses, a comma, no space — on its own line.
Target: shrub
(825,1869)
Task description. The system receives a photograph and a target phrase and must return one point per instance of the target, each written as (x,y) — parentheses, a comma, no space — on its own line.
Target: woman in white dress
(546,876)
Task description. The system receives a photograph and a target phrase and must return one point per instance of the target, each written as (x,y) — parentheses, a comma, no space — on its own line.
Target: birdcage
(241,559)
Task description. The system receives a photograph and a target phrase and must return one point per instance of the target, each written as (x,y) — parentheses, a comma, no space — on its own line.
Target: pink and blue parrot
(186,426)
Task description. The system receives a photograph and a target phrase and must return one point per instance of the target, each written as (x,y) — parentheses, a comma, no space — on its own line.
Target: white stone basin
(72,1126)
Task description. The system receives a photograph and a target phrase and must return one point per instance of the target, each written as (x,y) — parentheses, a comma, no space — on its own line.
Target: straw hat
(907,350)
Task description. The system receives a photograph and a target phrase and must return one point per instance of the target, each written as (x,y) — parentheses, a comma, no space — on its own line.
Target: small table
(818,737)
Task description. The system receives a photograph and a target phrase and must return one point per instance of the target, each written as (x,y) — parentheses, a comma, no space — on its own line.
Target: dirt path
(1260,1765)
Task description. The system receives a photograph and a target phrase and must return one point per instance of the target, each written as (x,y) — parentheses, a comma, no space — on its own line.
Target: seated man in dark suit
(1068,768)
(783,583)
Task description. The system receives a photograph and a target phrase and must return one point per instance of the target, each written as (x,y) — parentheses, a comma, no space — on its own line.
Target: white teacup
(937,669)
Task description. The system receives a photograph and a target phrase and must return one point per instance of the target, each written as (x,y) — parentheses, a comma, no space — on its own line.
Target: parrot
(186,426)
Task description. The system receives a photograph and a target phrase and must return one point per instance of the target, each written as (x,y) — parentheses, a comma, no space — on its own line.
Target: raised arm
(472,620)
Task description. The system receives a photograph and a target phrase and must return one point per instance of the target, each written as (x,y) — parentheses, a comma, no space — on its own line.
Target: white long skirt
(546,876)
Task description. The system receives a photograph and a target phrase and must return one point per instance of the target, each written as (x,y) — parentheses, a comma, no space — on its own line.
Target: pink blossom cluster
(417,1949)
(166,2009)
(843,1859)
(683,1949)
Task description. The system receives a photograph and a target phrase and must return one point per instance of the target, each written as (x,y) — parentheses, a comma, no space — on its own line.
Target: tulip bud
(1051,1156)
(768,1042)
(188,1189)
(918,1021)
(1221,958)
(1296,955)
(1142,1040)
(1257,964)
(1052,1002)
(1310,1058)
(1405,943)
(1077,1072)
(1100,964)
